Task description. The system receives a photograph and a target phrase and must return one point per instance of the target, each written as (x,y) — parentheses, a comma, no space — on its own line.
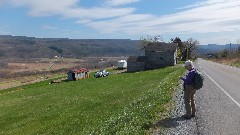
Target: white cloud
(208,18)
(68,9)
(97,13)
(44,7)
(202,17)
(119,2)
(127,24)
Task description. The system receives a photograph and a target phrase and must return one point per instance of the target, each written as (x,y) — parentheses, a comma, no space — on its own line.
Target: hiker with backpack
(189,90)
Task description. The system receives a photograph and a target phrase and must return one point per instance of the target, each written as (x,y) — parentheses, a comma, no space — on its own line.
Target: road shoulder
(175,124)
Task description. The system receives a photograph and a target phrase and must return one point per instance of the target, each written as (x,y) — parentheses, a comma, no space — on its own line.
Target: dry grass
(44,65)
(20,72)
(229,61)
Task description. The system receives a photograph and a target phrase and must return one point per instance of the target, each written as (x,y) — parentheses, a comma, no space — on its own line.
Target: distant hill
(212,48)
(30,47)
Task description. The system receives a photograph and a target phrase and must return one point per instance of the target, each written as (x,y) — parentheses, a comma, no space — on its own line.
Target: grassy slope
(121,103)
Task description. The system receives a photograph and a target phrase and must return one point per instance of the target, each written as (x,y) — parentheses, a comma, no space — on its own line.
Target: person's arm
(184,79)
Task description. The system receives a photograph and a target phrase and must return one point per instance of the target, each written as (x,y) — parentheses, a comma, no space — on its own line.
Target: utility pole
(230,47)
(187,52)
(187,49)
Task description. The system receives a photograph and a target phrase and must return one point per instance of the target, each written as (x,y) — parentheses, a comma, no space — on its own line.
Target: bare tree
(145,41)
(186,48)
(190,46)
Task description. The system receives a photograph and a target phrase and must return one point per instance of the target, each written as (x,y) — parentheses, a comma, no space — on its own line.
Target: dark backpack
(198,80)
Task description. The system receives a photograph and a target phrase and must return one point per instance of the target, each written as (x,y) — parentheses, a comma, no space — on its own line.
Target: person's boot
(186,116)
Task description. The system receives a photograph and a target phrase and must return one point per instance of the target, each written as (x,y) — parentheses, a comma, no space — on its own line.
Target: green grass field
(126,103)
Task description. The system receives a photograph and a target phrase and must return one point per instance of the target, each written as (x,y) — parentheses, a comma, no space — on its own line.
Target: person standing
(189,91)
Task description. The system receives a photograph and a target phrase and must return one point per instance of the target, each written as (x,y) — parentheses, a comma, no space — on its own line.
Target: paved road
(218,102)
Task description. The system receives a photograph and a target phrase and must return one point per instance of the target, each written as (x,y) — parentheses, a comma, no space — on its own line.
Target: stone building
(136,63)
(157,55)
(160,55)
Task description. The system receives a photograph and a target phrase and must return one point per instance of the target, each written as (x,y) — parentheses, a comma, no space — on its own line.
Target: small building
(78,74)
(160,55)
(122,64)
(157,55)
(136,63)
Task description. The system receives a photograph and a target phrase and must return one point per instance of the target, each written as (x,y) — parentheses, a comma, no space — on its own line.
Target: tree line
(186,49)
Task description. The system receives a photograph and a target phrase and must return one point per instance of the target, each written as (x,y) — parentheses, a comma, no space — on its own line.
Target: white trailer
(122,64)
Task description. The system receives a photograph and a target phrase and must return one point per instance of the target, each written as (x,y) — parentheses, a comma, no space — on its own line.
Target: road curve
(218,102)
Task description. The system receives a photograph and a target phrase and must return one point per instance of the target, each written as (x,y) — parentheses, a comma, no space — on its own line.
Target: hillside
(118,104)
(205,49)
(30,47)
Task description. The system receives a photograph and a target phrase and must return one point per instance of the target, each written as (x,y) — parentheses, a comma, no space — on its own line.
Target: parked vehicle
(101,73)
(122,64)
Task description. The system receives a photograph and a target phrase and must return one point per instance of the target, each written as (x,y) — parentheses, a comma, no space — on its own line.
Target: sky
(208,21)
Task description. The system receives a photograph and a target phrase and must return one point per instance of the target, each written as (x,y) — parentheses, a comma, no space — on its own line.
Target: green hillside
(118,104)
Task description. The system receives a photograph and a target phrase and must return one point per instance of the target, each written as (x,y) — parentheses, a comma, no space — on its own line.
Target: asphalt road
(218,102)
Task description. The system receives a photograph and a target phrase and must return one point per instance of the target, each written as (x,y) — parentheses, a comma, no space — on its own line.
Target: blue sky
(209,21)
